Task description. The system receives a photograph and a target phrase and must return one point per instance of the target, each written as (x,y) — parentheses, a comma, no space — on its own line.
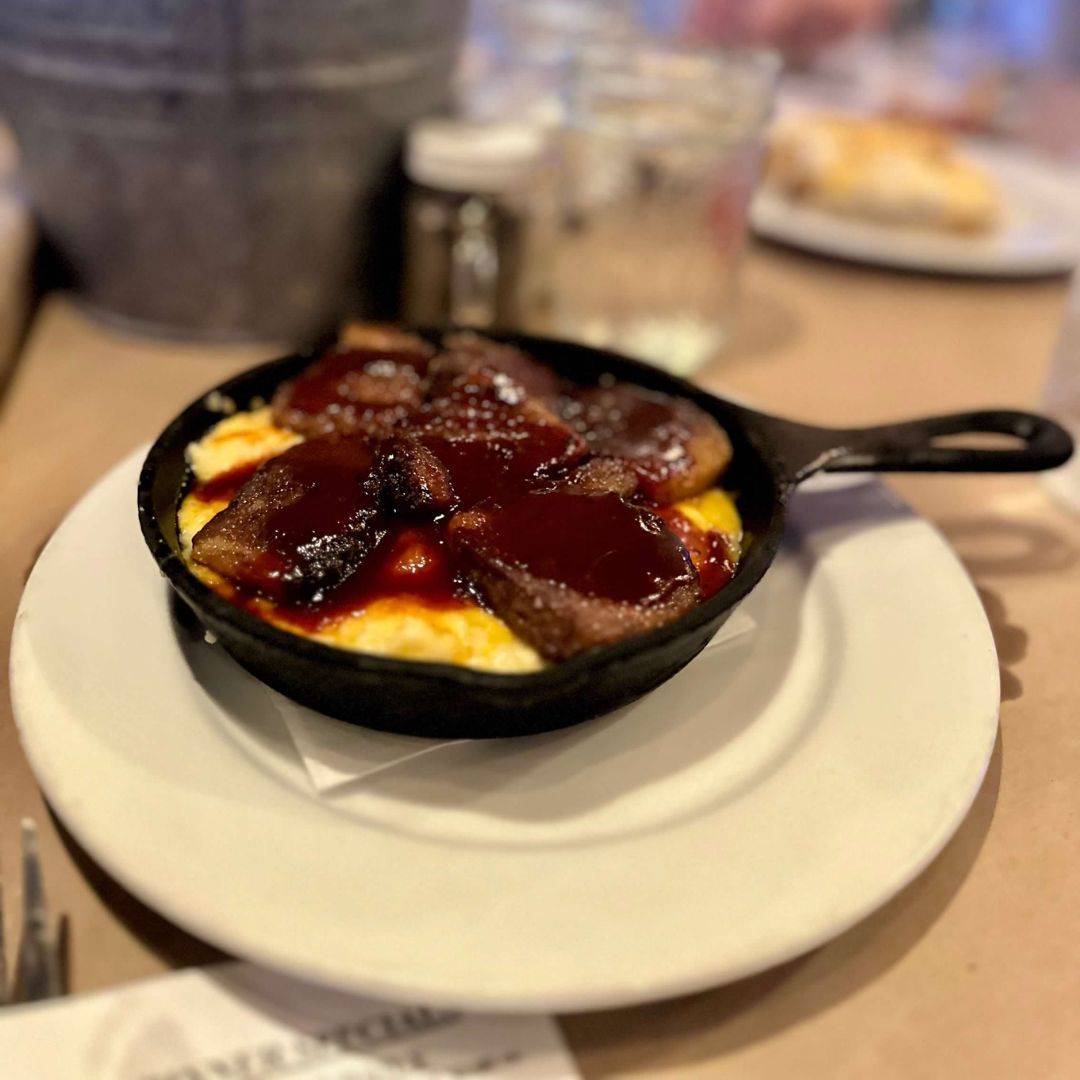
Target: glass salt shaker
(476,223)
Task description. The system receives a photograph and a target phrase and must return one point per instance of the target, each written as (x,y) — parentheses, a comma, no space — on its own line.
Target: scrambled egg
(236,441)
(401,627)
(714,511)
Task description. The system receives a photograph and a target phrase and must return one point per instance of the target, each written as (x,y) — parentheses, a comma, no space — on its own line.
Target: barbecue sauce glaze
(496,456)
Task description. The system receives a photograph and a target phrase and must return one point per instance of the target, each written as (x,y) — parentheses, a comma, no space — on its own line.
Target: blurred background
(258,169)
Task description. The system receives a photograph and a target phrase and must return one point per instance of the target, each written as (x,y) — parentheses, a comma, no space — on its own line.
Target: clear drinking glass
(661,151)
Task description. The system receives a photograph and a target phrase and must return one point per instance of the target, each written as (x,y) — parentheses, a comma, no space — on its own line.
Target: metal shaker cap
(470,156)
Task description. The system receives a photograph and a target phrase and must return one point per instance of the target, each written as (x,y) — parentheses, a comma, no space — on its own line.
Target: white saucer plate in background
(1040,234)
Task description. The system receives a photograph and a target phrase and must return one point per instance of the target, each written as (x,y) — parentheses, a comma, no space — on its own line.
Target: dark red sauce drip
(598,545)
(710,552)
(410,561)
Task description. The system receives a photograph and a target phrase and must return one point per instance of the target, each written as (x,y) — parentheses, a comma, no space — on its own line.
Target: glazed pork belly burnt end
(492,437)
(301,525)
(470,352)
(412,479)
(369,384)
(676,449)
(568,572)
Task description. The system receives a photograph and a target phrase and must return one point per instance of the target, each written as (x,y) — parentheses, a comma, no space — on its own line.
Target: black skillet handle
(911,446)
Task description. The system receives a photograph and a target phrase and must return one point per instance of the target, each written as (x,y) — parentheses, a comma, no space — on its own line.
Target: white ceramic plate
(773,793)
(1040,234)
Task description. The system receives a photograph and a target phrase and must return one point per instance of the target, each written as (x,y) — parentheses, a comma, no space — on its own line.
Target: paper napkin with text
(236,1021)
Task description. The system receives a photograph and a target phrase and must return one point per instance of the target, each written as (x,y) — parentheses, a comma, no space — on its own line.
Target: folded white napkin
(335,753)
(238,1020)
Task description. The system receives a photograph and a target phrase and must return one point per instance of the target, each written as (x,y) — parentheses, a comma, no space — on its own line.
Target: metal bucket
(223,168)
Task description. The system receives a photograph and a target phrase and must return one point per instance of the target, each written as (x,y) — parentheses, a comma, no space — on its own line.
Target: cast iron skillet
(771,456)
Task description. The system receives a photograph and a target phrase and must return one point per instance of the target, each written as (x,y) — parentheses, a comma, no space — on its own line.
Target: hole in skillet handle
(1035,443)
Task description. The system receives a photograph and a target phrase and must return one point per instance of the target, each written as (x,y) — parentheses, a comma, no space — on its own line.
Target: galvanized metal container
(223,168)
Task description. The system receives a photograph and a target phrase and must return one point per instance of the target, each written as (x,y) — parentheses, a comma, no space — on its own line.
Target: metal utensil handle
(37,967)
(912,445)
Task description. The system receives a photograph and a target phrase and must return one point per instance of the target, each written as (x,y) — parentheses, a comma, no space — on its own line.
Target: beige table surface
(974,970)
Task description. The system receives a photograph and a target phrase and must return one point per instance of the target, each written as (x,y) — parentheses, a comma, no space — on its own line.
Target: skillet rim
(752,432)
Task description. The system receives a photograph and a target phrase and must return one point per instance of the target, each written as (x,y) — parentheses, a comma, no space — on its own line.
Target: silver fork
(37,963)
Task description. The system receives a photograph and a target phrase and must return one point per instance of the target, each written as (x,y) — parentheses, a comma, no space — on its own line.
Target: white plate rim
(56,778)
